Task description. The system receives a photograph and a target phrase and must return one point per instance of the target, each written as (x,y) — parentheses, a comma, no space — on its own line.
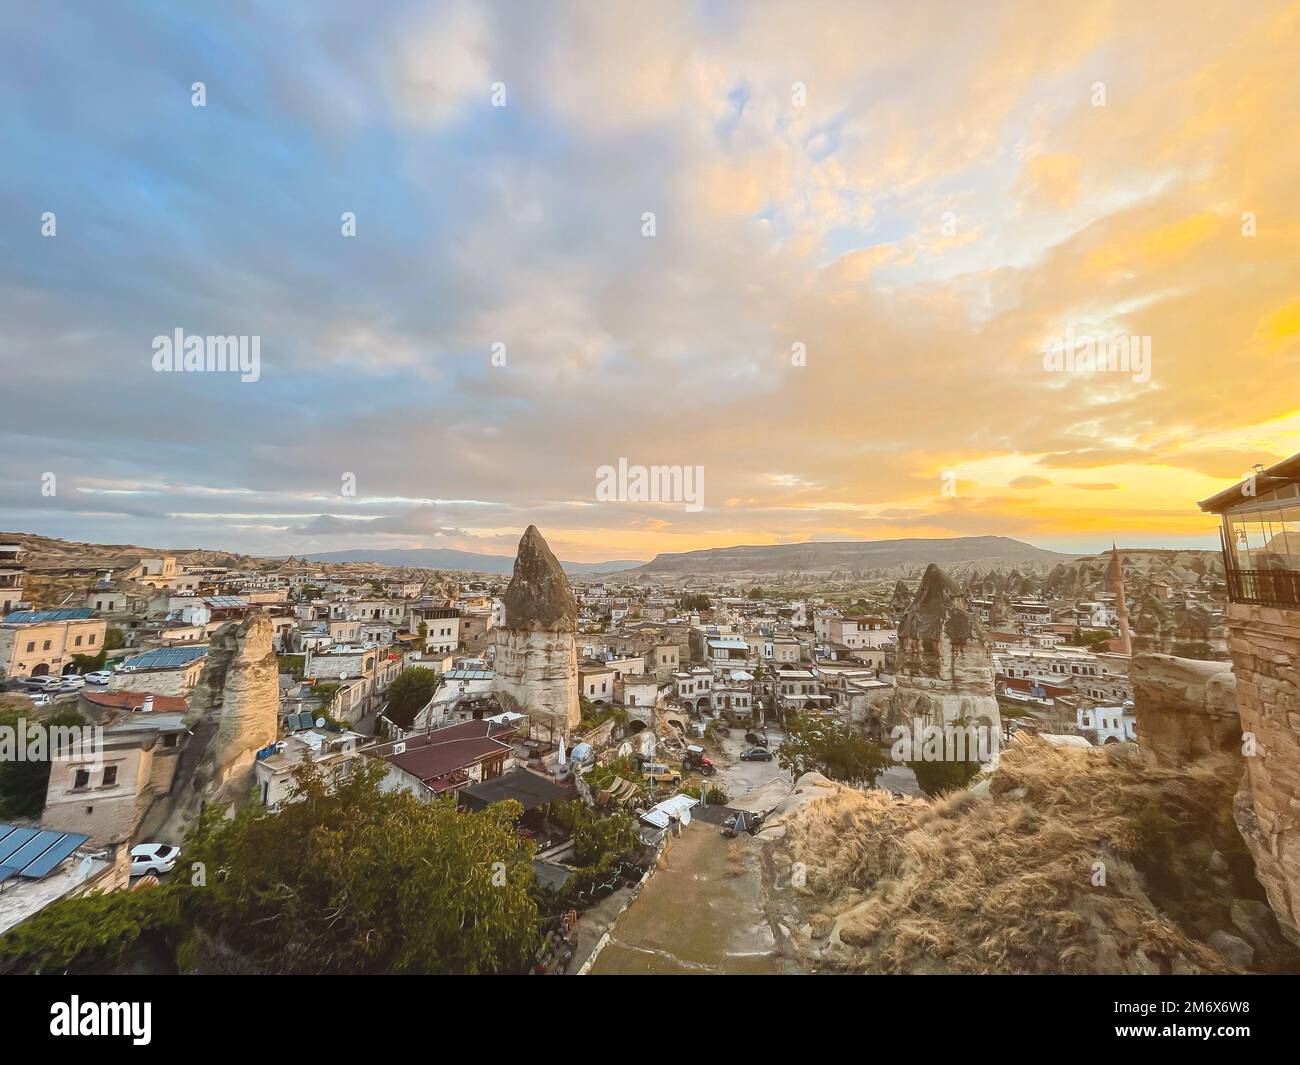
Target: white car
(153,858)
(42,684)
(72,683)
(100,676)
(40,698)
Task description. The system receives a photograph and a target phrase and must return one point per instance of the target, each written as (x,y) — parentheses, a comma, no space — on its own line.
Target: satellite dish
(320,722)
(343,676)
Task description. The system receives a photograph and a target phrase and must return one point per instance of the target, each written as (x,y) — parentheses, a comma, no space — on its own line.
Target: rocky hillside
(1086,576)
(1064,859)
(862,556)
(48,561)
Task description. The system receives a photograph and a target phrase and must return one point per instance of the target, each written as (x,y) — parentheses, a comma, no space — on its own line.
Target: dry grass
(1003,881)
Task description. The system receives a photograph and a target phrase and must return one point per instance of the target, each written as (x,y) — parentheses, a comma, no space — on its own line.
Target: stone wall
(1265,644)
(1185,708)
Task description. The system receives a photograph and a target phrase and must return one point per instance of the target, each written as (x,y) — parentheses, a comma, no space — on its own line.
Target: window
(46,647)
(81,779)
(110,776)
(31,646)
(78,641)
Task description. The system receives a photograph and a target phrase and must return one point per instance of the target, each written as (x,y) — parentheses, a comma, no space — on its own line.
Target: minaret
(1116,578)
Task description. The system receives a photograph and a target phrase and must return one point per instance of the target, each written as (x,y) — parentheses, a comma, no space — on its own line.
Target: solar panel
(33,849)
(46,863)
(10,842)
(34,853)
(165,657)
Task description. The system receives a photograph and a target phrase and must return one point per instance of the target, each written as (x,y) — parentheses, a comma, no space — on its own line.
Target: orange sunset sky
(918,194)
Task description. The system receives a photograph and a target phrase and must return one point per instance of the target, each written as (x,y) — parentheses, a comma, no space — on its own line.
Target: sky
(815,250)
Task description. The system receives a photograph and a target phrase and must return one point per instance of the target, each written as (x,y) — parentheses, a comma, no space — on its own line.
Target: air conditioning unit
(399,748)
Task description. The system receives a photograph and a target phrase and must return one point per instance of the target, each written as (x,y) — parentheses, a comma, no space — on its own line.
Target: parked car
(755,739)
(756,754)
(659,773)
(40,698)
(153,858)
(100,676)
(72,683)
(42,684)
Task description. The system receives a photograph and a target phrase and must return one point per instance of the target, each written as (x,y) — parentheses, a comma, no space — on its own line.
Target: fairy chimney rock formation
(236,706)
(945,660)
(536,660)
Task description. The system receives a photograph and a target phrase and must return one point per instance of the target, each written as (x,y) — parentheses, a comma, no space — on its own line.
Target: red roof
(433,755)
(128,700)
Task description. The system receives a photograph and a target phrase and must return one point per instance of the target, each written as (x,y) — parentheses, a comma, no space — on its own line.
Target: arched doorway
(42,670)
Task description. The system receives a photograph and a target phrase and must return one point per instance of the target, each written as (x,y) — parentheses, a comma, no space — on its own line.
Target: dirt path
(702,912)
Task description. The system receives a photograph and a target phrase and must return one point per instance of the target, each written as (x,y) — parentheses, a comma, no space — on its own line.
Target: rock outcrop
(1065,859)
(536,661)
(1185,708)
(236,707)
(1266,657)
(945,660)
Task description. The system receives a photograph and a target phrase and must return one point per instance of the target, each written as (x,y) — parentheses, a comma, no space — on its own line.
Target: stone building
(41,643)
(1261,549)
(536,661)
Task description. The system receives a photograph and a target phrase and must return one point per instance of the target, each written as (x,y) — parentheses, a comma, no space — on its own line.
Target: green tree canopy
(347,879)
(828,746)
(23,782)
(409,694)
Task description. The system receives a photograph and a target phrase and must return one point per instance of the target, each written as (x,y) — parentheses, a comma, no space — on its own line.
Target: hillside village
(624,718)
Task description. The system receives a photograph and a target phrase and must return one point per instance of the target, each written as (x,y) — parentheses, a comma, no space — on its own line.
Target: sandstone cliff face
(1185,708)
(945,660)
(1266,656)
(536,661)
(236,703)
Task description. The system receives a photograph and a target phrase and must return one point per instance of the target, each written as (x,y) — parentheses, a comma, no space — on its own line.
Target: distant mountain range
(448,558)
(850,555)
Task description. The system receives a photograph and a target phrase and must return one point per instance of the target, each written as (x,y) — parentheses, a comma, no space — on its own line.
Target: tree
(409,694)
(595,838)
(346,879)
(828,746)
(24,781)
(937,776)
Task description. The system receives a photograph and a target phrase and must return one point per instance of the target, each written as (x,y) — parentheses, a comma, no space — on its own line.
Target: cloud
(945,198)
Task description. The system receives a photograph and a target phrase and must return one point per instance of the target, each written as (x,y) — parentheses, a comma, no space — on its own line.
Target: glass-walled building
(1261,535)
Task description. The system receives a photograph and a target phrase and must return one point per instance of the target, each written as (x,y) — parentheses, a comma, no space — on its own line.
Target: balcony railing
(1265,587)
